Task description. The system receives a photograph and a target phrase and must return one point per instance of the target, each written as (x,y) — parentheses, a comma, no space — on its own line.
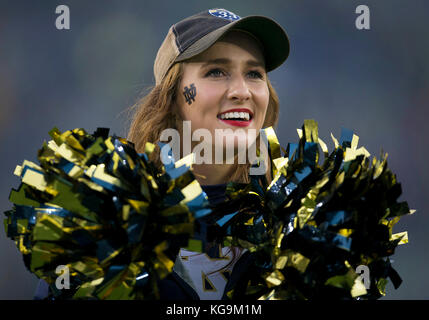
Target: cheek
(203,107)
(209,95)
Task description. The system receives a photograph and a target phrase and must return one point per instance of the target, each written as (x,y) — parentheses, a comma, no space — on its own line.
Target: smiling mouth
(238,117)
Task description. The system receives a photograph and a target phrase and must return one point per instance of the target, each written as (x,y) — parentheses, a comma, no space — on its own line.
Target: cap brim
(271,35)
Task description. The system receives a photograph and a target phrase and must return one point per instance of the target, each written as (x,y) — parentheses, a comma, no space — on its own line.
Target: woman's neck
(209,174)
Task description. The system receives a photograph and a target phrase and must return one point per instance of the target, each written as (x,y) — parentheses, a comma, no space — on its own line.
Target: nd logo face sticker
(190,93)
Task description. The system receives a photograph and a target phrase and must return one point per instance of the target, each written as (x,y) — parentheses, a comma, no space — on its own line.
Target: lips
(239,117)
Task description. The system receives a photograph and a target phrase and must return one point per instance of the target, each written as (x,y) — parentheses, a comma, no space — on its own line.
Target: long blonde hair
(156,112)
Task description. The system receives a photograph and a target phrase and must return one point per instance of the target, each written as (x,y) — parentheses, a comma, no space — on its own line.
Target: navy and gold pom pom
(95,206)
(318,223)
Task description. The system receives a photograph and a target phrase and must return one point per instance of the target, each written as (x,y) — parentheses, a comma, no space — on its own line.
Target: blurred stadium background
(375,82)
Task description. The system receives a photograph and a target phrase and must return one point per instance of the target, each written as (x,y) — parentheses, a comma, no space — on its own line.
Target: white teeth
(235,115)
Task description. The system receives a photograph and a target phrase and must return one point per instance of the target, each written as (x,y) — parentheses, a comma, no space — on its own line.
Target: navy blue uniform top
(173,287)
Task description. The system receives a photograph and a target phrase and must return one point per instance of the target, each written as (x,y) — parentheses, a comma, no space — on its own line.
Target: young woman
(211,74)
(212,83)
(211,78)
(305,236)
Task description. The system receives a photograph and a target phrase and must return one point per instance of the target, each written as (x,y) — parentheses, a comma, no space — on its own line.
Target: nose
(238,89)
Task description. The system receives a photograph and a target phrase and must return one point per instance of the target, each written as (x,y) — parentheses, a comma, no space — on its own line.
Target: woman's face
(225,87)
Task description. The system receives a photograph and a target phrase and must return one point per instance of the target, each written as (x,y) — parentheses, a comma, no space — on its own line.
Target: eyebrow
(253,63)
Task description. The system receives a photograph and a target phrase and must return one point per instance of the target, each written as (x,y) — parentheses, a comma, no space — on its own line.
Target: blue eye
(255,75)
(215,73)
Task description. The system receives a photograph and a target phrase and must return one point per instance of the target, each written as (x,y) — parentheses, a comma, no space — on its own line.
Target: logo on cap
(224,14)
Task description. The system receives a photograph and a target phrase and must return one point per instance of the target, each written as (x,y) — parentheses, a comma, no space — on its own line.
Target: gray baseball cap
(195,34)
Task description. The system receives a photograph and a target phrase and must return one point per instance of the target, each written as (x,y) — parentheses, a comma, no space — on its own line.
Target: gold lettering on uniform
(220,255)
(207,284)
(226,274)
